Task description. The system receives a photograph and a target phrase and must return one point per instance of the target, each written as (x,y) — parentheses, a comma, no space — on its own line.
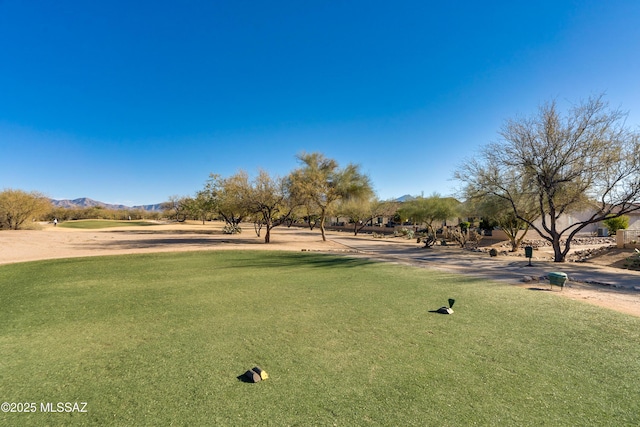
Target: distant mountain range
(85,202)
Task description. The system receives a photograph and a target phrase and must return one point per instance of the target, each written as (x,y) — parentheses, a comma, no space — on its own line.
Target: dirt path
(58,242)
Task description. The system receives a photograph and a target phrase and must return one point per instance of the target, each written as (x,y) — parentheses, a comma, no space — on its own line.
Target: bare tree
(586,160)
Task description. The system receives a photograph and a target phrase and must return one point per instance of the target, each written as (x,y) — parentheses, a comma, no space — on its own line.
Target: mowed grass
(93,224)
(160,339)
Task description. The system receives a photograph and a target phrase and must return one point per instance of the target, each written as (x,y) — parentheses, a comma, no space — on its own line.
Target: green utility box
(558,279)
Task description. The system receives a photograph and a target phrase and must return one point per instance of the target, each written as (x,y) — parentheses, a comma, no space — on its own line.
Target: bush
(18,207)
(633,262)
(465,236)
(231,229)
(404,232)
(617,223)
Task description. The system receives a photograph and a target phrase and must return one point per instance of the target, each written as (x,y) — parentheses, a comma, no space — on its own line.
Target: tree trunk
(322,219)
(267,235)
(558,253)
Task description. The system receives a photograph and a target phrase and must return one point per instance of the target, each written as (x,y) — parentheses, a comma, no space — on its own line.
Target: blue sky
(132,102)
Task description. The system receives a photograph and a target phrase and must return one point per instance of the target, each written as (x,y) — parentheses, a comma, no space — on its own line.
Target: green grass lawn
(160,339)
(92,224)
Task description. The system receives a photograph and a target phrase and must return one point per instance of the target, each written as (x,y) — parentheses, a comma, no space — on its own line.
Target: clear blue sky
(132,102)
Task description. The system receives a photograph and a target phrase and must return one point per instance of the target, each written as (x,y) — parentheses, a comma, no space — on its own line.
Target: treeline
(20,208)
(315,194)
(316,191)
(554,173)
(98,212)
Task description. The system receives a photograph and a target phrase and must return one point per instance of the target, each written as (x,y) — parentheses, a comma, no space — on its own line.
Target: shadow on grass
(274,259)
(237,258)
(168,242)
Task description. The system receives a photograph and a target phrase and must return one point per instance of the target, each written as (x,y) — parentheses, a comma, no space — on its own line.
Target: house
(567,220)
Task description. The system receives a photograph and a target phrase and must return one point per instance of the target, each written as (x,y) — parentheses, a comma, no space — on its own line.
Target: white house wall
(566,220)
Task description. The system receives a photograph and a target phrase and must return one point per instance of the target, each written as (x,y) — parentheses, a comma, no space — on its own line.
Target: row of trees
(19,208)
(315,191)
(99,212)
(543,169)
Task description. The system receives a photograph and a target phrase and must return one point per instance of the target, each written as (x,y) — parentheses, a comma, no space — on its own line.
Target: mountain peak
(86,202)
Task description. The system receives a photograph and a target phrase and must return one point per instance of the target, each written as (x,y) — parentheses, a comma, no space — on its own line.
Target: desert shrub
(18,208)
(465,236)
(633,262)
(428,240)
(615,224)
(231,229)
(404,232)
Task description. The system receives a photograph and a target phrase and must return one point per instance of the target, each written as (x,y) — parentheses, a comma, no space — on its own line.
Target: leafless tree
(585,160)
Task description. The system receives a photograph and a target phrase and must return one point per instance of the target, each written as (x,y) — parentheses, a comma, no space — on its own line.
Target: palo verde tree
(323,183)
(17,207)
(586,160)
(361,212)
(431,211)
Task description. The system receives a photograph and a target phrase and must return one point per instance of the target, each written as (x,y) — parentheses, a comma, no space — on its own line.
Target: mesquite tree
(268,199)
(586,160)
